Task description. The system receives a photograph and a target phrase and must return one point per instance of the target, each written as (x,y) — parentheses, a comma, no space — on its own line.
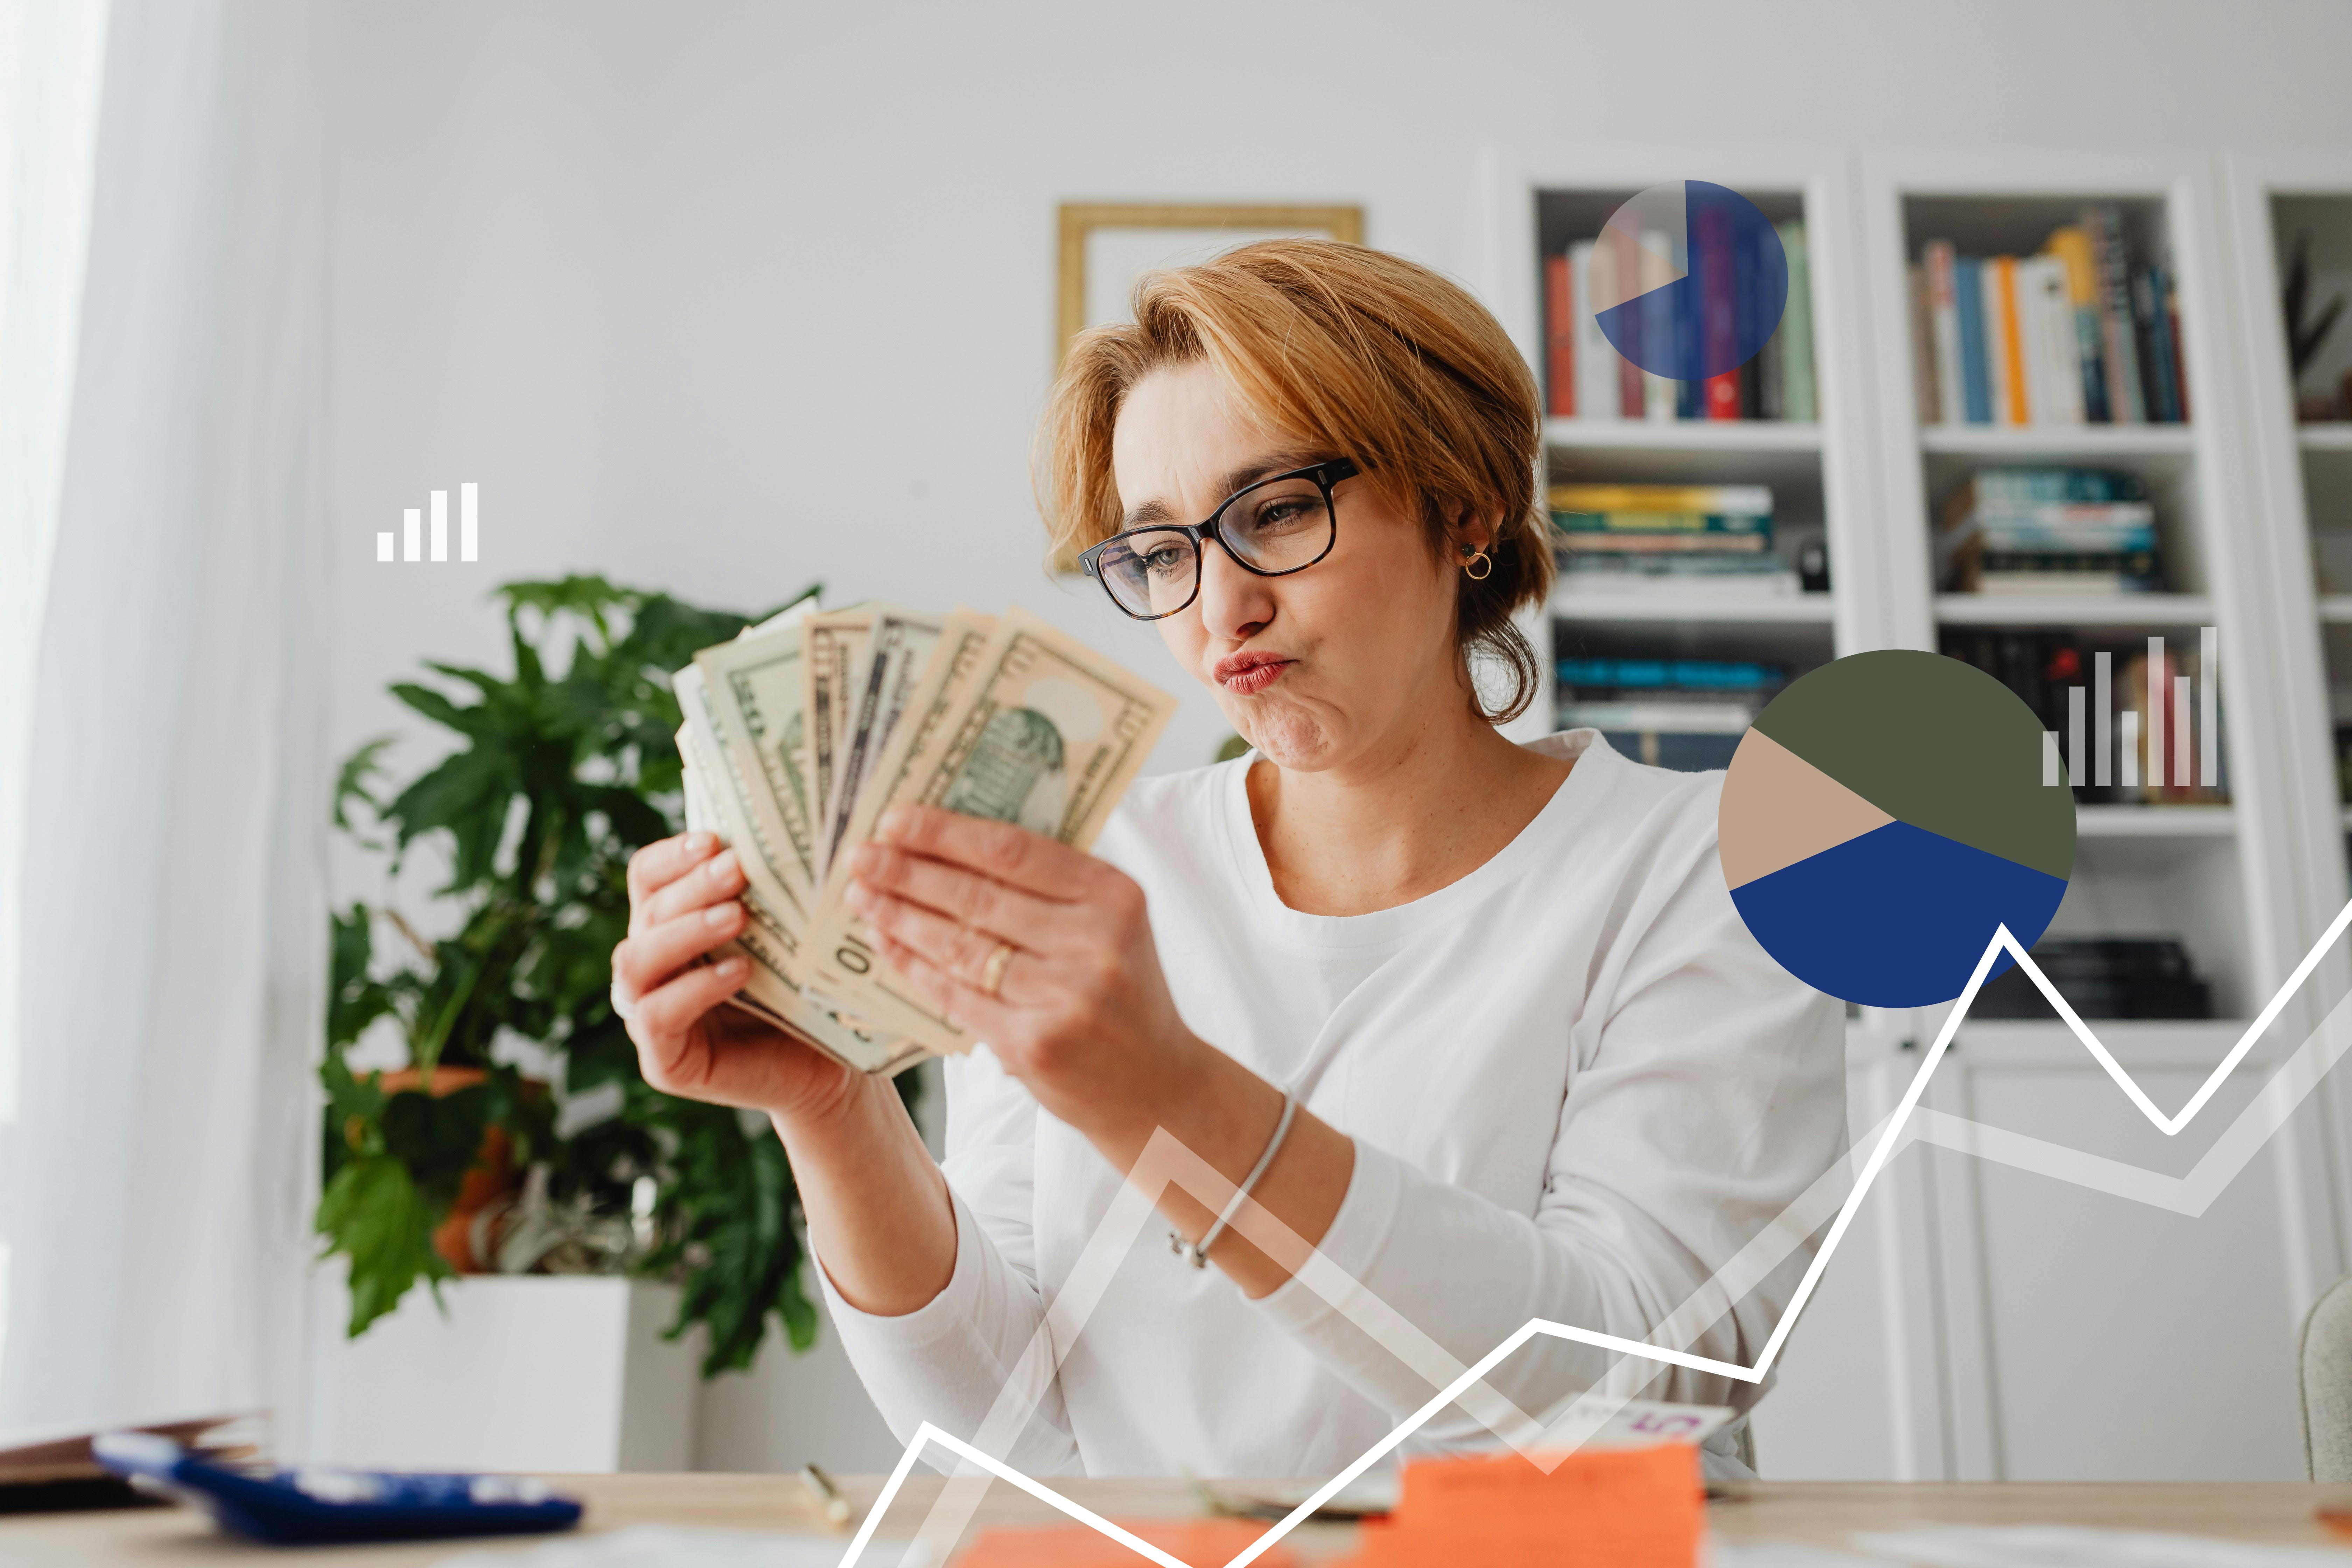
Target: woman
(1487,1007)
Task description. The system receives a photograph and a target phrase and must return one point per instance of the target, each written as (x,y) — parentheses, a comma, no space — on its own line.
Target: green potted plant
(561,769)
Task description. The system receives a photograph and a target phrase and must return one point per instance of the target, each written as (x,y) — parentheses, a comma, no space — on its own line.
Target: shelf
(2334,437)
(1684,434)
(2056,441)
(2336,609)
(2155,821)
(1806,609)
(2060,610)
(2193,1045)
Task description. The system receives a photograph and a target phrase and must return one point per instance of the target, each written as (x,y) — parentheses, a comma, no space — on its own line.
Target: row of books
(1669,539)
(2101,978)
(1587,378)
(2077,334)
(2049,530)
(1683,714)
(2044,667)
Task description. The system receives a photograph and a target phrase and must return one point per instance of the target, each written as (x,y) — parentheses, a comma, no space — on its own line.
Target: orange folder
(1204,1542)
(1626,1508)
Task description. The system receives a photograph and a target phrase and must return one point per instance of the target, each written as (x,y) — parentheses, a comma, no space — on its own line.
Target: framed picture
(1106,245)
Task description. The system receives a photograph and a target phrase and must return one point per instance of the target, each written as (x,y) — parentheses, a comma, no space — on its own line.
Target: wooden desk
(1822,1513)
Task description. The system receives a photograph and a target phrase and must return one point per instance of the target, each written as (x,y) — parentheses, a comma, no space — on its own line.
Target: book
(1597,360)
(1799,395)
(2089,573)
(2179,363)
(1560,338)
(1720,283)
(1944,333)
(2101,977)
(1773,581)
(1600,565)
(2058,379)
(2006,336)
(1658,522)
(2032,352)
(1967,306)
(2118,347)
(1663,718)
(2152,324)
(2072,247)
(1701,674)
(1733,501)
(1925,395)
(1661,395)
(1991,488)
(1690,540)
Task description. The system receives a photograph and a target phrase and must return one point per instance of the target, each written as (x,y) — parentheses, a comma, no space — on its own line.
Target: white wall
(723,297)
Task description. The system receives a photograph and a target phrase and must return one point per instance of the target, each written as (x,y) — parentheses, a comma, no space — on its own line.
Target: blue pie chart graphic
(1692,280)
(1884,817)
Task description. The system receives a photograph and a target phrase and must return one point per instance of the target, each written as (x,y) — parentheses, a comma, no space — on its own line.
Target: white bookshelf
(1942,1353)
(1817,468)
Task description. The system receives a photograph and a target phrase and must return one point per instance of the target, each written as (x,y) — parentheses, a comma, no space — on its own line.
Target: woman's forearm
(1225,1114)
(880,1218)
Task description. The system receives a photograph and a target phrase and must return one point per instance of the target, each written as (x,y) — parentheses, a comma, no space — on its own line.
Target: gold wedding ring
(991,973)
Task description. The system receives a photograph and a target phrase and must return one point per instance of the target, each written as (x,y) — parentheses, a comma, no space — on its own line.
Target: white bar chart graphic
(413,537)
(2114,754)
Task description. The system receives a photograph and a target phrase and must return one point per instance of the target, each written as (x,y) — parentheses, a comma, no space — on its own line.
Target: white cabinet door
(1856,1396)
(2095,1337)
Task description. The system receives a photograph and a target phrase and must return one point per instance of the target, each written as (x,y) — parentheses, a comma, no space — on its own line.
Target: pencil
(829,1501)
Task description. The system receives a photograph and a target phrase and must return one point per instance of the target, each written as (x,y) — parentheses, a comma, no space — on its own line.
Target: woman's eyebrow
(1146,513)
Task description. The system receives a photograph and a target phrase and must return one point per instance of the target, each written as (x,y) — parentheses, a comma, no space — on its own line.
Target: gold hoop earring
(1479,567)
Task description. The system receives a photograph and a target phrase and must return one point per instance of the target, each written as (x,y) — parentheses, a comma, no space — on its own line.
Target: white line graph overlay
(1546,1443)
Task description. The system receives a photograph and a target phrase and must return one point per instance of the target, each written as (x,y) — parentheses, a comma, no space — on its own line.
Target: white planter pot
(532,1373)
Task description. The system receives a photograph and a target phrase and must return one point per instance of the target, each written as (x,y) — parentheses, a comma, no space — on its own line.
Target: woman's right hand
(684,896)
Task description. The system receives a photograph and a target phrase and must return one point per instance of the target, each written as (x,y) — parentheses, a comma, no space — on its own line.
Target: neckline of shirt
(1389,926)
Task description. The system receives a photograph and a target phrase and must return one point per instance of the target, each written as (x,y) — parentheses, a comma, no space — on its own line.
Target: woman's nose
(1234,604)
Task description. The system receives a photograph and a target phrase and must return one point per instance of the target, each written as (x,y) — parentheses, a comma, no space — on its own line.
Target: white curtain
(169,957)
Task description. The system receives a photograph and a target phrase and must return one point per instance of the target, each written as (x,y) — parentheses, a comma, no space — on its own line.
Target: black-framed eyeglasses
(1275,527)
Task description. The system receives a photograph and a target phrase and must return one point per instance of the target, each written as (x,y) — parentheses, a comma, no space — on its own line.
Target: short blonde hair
(1368,355)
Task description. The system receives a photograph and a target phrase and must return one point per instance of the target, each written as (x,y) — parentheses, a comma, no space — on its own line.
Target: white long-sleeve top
(1575,1083)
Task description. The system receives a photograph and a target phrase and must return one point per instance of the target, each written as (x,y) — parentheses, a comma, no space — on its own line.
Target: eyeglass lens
(1272,527)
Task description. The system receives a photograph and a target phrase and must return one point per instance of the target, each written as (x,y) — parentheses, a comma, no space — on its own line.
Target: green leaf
(373,1214)
(351,781)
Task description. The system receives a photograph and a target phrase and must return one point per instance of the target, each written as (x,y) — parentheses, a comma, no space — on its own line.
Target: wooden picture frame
(1081,220)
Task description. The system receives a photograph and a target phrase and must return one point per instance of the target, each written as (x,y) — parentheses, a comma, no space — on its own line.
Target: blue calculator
(308,1505)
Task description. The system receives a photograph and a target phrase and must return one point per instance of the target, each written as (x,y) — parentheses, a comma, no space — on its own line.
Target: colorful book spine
(1943,332)
(1717,347)
(1797,395)
(2126,404)
(2151,319)
(1560,337)
(1968,305)
(1664,541)
(1730,500)
(1658,522)
(2007,341)
(1596,360)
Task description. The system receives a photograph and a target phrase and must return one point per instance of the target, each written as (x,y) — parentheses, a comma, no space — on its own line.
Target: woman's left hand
(1081,1012)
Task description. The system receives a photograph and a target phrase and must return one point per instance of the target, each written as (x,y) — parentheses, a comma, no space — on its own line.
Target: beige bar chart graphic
(412,538)
(2114,754)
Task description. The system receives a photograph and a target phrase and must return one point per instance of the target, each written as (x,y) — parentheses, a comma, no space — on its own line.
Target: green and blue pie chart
(1884,816)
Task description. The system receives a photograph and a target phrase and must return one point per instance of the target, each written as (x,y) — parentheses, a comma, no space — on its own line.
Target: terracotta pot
(492,1178)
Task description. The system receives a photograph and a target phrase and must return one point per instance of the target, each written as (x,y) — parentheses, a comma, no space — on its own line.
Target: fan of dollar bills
(803,730)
